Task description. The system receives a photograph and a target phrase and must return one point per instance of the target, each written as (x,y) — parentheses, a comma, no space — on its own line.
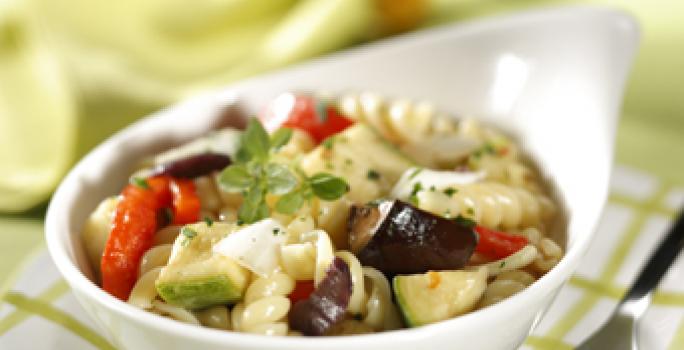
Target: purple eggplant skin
(193,166)
(327,305)
(403,239)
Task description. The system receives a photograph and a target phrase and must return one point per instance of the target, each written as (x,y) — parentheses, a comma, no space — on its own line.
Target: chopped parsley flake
(373,175)
(276,231)
(433,188)
(415,172)
(208,221)
(470,211)
(503,263)
(465,222)
(487,148)
(450,191)
(140,182)
(329,142)
(413,198)
(189,235)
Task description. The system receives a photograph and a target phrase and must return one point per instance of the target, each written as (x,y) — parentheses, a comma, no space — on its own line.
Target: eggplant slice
(398,238)
(326,305)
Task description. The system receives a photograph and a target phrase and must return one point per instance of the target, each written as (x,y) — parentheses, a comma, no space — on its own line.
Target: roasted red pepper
(136,221)
(317,118)
(498,245)
(301,291)
(186,203)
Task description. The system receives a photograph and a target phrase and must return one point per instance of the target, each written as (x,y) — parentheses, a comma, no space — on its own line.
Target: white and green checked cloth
(39,311)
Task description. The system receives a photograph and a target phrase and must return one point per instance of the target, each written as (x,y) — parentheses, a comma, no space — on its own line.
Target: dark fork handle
(659,262)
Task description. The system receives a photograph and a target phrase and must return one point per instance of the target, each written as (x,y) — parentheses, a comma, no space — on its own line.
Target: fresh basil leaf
(328,187)
(255,140)
(290,203)
(280,138)
(242,155)
(253,206)
(235,178)
(280,179)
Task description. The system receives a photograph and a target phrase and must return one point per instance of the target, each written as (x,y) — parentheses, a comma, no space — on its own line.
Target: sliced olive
(398,238)
(193,166)
(326,305)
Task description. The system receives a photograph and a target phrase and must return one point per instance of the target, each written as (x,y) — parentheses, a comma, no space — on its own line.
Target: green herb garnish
(487,148)
(255,174)
(415,172)
(373,175)
(465,222)
(450,191)
(280,138)
(208,221)
(329,142)
(189,235)
(140,182)
(413,198)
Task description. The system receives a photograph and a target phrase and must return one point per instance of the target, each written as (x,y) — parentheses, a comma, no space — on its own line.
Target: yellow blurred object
(127,57)
(37,114)
(398,16)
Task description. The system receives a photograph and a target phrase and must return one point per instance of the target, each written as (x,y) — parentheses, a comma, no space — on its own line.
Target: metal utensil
(620,332)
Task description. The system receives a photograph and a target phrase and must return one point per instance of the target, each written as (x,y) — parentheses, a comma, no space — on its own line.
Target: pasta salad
(328,216)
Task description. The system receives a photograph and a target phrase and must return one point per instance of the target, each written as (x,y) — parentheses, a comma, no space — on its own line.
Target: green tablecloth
(649,137)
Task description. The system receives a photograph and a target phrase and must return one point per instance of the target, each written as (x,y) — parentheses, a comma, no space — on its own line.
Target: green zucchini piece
(438,295)
(195,277)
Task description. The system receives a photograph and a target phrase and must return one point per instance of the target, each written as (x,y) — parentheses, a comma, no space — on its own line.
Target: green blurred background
(73,72)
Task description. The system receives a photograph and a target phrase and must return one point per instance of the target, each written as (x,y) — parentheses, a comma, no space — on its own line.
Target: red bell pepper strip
(186,203)
(301,291)
(317,118)
(498,245)
(135,223)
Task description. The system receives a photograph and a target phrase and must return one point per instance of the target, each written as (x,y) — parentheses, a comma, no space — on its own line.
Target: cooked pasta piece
(217,317)
(381,313)
(167,235)
(518,260)
(549,255)
(489,203)
(357,301)
(155,257)
(505,285)
(277,284)
(144,292)
(208,194)
(324,252)
(96,231)
(175,312)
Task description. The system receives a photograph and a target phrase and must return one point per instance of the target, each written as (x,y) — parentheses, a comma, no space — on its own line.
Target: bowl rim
(58,249)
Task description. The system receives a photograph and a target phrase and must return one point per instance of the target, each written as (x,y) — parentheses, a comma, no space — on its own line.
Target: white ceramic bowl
(554,77)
